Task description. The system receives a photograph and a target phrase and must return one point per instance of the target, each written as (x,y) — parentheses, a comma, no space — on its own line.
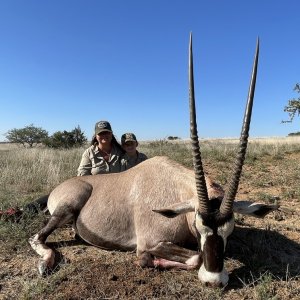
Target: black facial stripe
(213,253)
(215,220)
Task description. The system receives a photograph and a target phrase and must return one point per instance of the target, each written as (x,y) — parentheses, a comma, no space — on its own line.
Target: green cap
(102,126)
(128,137)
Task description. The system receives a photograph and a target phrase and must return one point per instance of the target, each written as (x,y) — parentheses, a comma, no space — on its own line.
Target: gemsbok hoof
(44,269)
(47,255)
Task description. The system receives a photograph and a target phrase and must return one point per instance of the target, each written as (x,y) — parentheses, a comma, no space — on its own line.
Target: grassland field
(263,255)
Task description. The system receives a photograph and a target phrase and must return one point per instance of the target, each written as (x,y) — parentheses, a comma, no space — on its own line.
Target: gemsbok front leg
(170,256)
(166,255)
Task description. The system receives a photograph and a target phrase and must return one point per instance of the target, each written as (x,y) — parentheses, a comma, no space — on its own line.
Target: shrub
(66,139)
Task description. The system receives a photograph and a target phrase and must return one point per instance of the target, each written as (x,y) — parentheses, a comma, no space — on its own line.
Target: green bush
(66,139)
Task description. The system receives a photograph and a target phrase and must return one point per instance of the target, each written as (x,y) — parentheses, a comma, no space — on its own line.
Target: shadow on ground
(260,251)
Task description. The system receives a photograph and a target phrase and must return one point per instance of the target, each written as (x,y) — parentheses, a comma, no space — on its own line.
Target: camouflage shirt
(127,162)
(93,162)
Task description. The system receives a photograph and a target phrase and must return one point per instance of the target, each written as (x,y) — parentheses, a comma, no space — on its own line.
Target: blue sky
(68,63)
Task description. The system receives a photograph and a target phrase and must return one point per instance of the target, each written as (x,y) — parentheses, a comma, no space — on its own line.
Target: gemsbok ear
(176,209)
(258,210)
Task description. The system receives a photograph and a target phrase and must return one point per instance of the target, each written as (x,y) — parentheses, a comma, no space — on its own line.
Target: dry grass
(263,256)
(27,173)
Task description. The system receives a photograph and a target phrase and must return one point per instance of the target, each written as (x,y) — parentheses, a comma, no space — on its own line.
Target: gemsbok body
(158,208)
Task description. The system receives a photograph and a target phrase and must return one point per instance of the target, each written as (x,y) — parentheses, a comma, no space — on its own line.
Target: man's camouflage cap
(102,126)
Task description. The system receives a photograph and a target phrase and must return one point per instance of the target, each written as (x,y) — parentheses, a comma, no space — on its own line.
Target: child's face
(130,147)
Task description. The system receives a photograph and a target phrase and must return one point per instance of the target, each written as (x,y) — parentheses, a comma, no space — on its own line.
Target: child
(132,157)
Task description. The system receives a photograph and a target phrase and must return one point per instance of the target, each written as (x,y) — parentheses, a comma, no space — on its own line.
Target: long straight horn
(227,204)
(199,174)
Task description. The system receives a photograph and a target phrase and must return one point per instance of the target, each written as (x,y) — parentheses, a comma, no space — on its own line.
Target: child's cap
(128,137)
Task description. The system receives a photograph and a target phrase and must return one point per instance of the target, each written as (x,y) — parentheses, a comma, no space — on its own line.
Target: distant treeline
(294,133)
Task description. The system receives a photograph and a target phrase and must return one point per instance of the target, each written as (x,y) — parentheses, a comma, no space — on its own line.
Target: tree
(294,133)
(29,135)
(79,137)
(171,138)
(293,106)
(66,139)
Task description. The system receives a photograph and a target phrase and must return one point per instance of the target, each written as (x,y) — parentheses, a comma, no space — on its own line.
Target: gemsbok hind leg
(66,211)
(60,217)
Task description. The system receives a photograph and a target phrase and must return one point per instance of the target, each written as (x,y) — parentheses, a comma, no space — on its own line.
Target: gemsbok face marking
(128,210)
(213,234)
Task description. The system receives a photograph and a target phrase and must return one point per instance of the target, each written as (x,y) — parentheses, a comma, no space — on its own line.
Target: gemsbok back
(128,210)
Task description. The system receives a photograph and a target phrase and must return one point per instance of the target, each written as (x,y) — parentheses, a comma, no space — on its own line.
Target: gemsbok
(128,210)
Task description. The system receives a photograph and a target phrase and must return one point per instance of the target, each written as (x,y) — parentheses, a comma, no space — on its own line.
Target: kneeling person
(132,157)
